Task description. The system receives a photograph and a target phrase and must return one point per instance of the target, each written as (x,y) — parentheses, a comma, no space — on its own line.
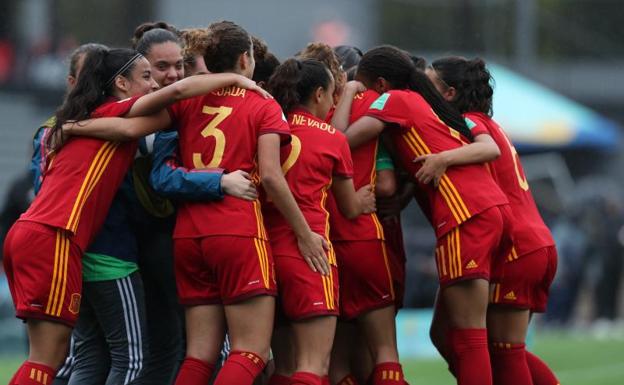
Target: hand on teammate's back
(312,248)
(249,84)
(366,197)
(239,184)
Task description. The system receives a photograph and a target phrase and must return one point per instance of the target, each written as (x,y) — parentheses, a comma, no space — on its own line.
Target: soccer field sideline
(578,359)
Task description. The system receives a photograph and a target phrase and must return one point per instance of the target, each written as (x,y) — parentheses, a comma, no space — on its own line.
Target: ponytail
(95,84)
(471,80)
(397,68)
(294,81)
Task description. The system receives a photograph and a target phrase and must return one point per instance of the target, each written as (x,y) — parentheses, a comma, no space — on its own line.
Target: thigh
(365,277)
(205,331)
(313,343)
(250,324)
(466,302)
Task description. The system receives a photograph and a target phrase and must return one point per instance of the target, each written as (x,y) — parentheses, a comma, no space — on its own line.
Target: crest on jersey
(74,304)
(380,103)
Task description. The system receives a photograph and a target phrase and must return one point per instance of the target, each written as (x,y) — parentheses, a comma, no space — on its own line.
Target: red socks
(31,373)
(241,368)
(305,378)
(471,359)
(278,379)
(540,372)
(509,365)
(388,373)
(348,380)
(194,372)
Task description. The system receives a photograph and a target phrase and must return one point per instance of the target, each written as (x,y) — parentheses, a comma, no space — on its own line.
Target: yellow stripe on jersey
(449,201)
(326,291)
(385,256)
(264,261)
(64,285)
(463,207)
(451,248)
(378,227)
(85,183)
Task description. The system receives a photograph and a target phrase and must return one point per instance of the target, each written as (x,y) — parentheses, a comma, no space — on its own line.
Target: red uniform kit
(317,153)
(42,252)
(220,248)
(468,211)
(363,260)
(530,267)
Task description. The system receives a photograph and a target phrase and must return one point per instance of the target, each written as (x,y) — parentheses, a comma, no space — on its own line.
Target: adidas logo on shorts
(472,264)
(511,296)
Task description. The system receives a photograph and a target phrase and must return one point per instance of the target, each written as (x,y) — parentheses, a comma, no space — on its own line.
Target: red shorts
(222,269)
(396,256)
(365,277)
(476,248)
(44,272)
(526,280)
(304,293)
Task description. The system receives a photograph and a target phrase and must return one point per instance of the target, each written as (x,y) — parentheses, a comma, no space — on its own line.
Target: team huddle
(195,169)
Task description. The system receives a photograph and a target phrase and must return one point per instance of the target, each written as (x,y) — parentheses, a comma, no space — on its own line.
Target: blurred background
(559,72)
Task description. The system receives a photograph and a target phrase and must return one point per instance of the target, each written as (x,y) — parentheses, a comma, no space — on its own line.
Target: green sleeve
(384,160)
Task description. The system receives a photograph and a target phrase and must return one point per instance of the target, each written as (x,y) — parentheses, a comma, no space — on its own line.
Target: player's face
(140,80)
(197,68)
(379,85)
(167,63)
(448,93)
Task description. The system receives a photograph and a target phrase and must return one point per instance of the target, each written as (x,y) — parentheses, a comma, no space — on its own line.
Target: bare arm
(119,129)
(350,202)
(386,184)
(340,120)
(311,245)
(187,88)
(483,149)
(363,130)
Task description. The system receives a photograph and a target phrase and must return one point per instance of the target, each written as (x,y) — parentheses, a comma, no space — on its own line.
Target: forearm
(119,129)
(476,152)
(340,120)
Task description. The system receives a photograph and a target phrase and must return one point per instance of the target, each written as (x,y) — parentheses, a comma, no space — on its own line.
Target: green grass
(577,360)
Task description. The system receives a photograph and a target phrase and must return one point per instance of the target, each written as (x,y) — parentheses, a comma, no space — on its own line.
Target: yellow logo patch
(511,296)
(74,304)
(472,264)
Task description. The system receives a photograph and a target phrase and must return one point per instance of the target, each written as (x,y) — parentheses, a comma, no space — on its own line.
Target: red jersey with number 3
(317,153)
(366,226)
(464,191)
(221,130)
(82,179)
(529,231)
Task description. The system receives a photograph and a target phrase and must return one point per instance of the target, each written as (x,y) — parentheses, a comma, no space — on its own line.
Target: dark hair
(396,67)
(472,81)
(295,80)
(266,62)
(348,55)
(225,42)
(94,85)
(147,35)
(79,52)
(419,62)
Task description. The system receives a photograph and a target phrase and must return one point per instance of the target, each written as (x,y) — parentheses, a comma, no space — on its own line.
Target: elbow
(495,152)
(385,188)
(350,212)
(270,181)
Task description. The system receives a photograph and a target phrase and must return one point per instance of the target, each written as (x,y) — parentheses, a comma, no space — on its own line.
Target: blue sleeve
(168,178)
(36,162)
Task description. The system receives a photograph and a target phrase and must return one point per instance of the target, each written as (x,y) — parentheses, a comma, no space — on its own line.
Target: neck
(312,109)
(121,95)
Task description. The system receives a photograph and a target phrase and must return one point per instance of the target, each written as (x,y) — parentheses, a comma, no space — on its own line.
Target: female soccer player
(317,159)
(192,51)
(469,229)
(75,195)
(223,265)
(325,54)
(530,268)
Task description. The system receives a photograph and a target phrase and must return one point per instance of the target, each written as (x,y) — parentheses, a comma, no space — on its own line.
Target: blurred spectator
(7,58)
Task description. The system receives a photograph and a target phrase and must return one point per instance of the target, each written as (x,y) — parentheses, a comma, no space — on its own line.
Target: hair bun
(146,27)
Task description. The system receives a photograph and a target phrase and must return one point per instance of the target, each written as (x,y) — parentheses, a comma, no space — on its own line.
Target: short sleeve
(476,126)
(384,160)
(344,163)
(115,108)
(271,120)
(389,108)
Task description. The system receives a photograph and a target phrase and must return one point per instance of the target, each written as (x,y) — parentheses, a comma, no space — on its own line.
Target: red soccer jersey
(316,154)
(367,226)
(416,130)
(529,231)
(82,180)
(221,130)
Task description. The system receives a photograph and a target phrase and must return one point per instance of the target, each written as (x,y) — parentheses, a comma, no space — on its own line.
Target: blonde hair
(326,55)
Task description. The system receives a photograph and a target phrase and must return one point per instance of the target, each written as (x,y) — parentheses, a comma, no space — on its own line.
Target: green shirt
(100,267)
(384,160)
